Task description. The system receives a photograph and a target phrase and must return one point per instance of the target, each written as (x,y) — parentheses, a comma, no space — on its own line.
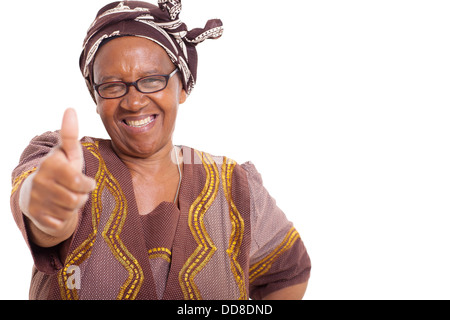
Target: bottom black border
(217,309)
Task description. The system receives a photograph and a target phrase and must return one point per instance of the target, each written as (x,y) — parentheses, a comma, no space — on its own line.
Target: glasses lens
(152,84)
(112,89)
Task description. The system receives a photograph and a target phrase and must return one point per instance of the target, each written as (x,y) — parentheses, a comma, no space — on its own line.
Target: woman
(136,217)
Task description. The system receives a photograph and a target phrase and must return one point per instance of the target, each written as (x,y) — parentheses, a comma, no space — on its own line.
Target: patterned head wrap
(161,24)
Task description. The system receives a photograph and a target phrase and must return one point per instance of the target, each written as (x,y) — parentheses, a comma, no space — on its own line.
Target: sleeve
(45,259)
(278,257)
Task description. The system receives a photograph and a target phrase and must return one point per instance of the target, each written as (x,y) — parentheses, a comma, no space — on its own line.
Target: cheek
(167,103)
(100,109)
(173,97)
(99,103)
(105,110)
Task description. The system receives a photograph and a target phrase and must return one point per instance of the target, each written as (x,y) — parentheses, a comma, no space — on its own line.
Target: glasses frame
(135,84)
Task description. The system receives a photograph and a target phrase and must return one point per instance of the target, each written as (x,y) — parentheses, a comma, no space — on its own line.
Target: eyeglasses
(118,89)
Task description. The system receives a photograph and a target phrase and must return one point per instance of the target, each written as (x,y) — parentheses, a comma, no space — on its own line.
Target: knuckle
(80,183)
(81,200)
(42,220)
(84,199)
(50,160)
(62,214)
(76,180)
(39,179)
(76,201)
(50,168)
(35,203)
(72,200)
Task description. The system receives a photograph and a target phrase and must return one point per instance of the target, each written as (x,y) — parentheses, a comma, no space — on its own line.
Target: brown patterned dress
(227,239)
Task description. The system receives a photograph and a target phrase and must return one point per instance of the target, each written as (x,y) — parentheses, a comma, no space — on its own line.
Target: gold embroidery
(163,253)
(237,225)
(206,248)
(83,252)
(18,181)
(261,267)
(110,233)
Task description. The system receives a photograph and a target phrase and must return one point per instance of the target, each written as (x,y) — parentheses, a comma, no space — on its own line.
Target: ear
(183,96)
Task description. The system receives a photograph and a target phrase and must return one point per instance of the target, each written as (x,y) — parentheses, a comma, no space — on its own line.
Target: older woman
(136,217)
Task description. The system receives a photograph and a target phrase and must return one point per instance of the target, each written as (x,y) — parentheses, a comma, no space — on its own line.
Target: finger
(48,209)
(75,181)
(46,222)
(69,138)
(61,214)
(64,199)
(57,172)
(51,225)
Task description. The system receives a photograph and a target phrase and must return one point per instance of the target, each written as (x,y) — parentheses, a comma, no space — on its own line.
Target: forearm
(48,206)
(295,292)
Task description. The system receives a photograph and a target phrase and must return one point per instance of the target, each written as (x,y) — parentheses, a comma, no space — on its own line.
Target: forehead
(130,54)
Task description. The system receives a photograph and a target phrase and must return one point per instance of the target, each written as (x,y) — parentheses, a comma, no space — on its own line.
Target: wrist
(25,193)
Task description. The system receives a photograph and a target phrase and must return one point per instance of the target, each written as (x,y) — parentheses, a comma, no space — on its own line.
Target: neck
(158,165)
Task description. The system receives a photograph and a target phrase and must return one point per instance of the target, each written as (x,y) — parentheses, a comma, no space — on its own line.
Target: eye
(152,83)
(112,87)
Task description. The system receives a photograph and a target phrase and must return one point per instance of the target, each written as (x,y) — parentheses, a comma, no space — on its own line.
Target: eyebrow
(118,78)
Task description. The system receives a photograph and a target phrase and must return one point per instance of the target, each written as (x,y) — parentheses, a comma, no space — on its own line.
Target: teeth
(140,123)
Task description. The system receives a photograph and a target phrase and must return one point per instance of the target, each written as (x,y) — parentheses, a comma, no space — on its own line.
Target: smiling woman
(140,125)
(134,215)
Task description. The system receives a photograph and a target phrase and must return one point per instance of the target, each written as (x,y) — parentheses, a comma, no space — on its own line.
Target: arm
(279,263)
(295,292)
(51,197)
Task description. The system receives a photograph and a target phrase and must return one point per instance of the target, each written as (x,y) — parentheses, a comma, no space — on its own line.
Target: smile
(140,123)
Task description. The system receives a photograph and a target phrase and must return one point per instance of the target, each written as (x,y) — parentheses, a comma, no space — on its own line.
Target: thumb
(69,138)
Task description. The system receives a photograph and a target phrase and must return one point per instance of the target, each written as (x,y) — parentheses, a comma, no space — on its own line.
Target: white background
(343,106)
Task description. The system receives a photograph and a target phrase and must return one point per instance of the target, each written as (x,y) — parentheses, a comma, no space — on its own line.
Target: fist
(52,196)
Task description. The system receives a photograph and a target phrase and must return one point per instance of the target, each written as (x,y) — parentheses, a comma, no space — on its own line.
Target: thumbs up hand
(51,197)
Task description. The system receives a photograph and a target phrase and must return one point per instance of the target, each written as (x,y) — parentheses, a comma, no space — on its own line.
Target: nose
(134,100)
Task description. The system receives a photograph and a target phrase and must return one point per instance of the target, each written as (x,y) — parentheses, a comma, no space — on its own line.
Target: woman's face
(139,124)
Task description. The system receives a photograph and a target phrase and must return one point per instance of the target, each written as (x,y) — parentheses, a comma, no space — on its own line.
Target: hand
(52,196)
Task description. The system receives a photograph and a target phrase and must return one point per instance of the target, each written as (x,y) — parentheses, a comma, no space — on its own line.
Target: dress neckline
(163,204)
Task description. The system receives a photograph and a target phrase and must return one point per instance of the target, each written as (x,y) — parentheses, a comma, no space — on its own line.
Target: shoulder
(40,146)
(243,179)
(222,162)
(51,139)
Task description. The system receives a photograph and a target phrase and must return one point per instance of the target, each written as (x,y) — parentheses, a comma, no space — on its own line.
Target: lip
(139,124)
